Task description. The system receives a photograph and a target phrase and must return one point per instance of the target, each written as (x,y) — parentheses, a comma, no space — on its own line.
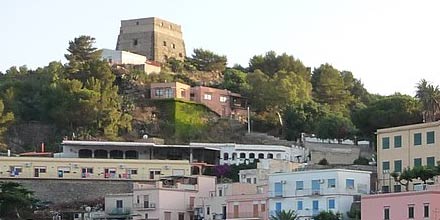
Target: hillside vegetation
(88,99)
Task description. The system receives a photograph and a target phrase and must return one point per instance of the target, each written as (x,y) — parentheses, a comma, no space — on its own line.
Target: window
(417,139)
(426,210)
(398,166)
(315,205)
(385,143)
(263,207)
(331,183)
(398,188)
(349,183)
(169,93)
(331,203)
(242,155)
(385,189)
(135,42)
(167,215)
(207,96)
(223,99)
(119,204)
(430,137)
(255,210)
(146,201)
(137,22)
(278,189)
(386,213)
(260,156)
(146,215)
(220,192)
(164,43)
(159,92)
(269,156)
(154,173)
(430,161)
(299,205)
(299,185)
(278,206)
(180,55)
(411,211)
(385,165)
(181,216)
(251,155)
(225,156)
(397,141)
(417,162)
(236,211)
(173,46)
(133,171)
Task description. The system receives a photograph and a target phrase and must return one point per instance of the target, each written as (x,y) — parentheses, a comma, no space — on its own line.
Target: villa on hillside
(221,101)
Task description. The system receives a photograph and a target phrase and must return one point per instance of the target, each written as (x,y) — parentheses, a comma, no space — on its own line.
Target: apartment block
(313,191)
(405,147)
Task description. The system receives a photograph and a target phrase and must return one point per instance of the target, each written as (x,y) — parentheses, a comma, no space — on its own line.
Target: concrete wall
(66,191)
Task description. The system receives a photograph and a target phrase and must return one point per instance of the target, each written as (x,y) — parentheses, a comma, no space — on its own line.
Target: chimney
(42,147)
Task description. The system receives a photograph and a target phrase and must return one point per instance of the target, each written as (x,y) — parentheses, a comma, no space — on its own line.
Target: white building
(313,191)
(124,57)
(231,153)
(260,175)
(118,206)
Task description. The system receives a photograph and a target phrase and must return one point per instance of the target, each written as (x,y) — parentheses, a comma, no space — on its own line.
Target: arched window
(101,154)
(116,154)
(242,155)
(251,155)
(131,154)
(278,156)
(225,156)
(269,156)
(85,153)
(234,156)
(260,156)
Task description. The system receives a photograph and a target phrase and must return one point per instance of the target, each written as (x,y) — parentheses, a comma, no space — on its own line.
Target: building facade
(231,153)
(155,38)
(416,205)
(313,191)
(173,90)
(260,175)
(405,146)
(116,57)
(96,169)
(233,201)
(224,102)
(171,198)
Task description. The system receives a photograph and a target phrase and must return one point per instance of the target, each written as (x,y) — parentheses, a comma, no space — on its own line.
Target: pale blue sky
(389,45)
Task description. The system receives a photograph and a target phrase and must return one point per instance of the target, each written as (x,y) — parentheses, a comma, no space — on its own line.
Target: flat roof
(131,144)
(409,127)
(320,171)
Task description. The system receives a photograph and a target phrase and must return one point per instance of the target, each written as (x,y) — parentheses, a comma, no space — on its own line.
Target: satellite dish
(145,136)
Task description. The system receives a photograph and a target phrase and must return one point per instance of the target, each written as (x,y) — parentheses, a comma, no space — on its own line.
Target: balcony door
(316,187)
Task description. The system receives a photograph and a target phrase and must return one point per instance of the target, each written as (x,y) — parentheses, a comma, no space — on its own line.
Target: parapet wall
(67,191)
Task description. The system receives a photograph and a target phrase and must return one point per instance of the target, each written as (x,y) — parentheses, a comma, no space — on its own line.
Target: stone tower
(154,38)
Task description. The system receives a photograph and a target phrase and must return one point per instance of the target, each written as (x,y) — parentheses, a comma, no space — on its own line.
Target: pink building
(248,206)
(415,205)
(236,201)
(224,102)
(171,198)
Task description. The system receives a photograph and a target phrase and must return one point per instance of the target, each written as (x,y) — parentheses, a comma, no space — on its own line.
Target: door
(36,172)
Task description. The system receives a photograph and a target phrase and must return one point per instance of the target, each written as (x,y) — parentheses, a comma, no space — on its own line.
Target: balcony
(120,211)
(145,206)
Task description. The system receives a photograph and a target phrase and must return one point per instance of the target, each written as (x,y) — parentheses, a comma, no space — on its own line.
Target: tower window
(180,55)
(164,43)
(137,22)
(173,46)
(135,42)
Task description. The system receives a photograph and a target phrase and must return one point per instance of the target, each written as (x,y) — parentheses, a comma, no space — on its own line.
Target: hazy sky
(389,45)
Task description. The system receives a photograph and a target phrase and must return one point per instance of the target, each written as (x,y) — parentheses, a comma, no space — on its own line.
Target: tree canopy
(16,202)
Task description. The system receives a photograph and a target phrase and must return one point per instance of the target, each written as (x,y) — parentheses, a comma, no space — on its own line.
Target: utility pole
(249,120)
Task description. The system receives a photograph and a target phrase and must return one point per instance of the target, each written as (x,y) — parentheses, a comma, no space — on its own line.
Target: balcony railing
(145,205)
(120,211)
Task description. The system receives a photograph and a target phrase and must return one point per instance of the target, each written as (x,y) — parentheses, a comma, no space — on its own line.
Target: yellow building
(405,146)
(82,168)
